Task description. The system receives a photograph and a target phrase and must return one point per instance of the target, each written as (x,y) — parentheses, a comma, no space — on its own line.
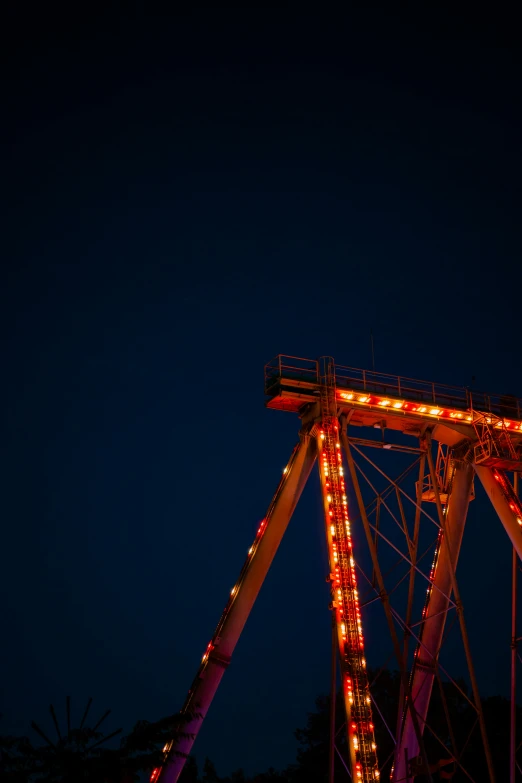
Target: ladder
(343,579)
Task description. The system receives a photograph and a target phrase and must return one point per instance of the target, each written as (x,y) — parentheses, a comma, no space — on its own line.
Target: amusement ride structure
(448,435)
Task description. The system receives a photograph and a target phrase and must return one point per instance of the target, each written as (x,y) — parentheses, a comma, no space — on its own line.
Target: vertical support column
(506,503)
(513,704)
(243,595)
(435,612)
(333,689)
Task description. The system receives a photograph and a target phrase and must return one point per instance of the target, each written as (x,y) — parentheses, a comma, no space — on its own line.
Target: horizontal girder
(452,414)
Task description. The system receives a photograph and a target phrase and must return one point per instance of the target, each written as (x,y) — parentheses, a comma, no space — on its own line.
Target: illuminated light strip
(411,407)
(346,604)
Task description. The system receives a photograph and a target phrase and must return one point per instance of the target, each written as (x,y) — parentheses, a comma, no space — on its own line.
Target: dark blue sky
(184,197)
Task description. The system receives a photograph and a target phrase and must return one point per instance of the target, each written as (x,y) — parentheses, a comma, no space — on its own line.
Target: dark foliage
(79,756)
(312,759)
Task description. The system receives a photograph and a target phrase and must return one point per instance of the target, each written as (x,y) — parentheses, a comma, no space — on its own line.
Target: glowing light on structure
(406,407)
(345,602)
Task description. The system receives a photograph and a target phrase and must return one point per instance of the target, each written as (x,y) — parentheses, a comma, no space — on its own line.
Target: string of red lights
(346,605)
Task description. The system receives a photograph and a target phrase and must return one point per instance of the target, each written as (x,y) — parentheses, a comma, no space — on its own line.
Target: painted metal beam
(220,649)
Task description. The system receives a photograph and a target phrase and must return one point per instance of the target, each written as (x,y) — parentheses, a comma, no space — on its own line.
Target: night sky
(187,194)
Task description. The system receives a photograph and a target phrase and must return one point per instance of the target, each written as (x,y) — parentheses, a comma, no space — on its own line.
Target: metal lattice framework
(412,527)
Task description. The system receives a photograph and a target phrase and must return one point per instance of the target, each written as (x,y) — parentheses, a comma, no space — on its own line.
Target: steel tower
(451,435)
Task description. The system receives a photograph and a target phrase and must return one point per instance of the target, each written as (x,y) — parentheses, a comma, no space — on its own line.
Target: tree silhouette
(78,755)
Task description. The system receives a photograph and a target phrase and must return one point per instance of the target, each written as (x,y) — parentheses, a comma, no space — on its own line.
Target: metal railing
(295,368)
(291,368)
(403,387)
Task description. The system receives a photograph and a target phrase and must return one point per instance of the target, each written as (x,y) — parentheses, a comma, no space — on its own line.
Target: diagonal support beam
(435,613)
(505,502)
(446,542)
(242,598)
